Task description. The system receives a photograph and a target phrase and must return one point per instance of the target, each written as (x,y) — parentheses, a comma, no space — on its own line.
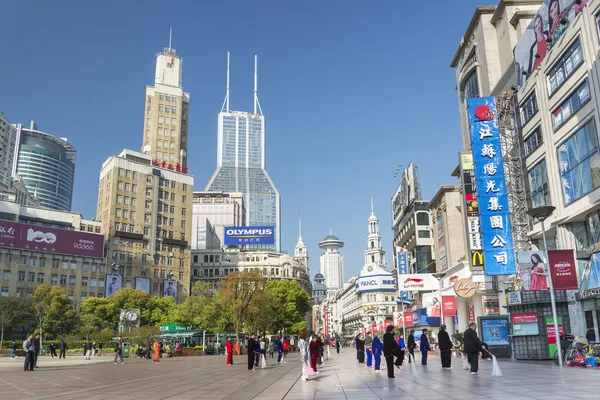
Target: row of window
(127,187)
(125,214)
(35,261)
(126,200)
(163,274)
(127,173)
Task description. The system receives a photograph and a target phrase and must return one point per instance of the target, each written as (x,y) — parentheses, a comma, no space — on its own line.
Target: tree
(240,294)
(160,310)
(11,309)
(291,304)
(52,310)
(109,309)
(200,308)
(141,334)
(88,325)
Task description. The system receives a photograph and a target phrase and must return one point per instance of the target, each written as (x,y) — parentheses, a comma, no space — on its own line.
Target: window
(174,109)
(54,279)
(120,185)
(128,173)
(156,273)
(173,134)
(172,145)
(184,199)
(71,280)
(23,260)
(172,196)
(84,281)
(133,201)
(155,287)
(424,234)
(172,209)
(54,263)
(168,98)
(63,279)
(118,213)
(185,187)
(132,215)
(126,200)
(565,67)
(579,163)
(422,218)
(183,212)
(533,141)
(42,262)
(161,108)
(183,224)
(119,199)
(573,104)
(73,265)
(149,179)
(160,131)
(161,119)
(538,185)
(148,192)
(149,99)
(134,188)
(162,97)
(32,261)
(31,276)
(148,204)
(64,265)
(86,267)
(529,108)
(6,275)
(471,88)
(168,109)
(173,98)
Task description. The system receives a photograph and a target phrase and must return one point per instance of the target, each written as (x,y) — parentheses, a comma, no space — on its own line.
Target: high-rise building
(332,263)
(166,113)
(8,141)
(241,164)
(221,209)
(46,165)
(146,214)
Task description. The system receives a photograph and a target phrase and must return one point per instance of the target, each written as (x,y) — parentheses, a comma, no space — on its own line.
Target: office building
(8,141)
(332,263)
(146,215)
(241,164)
(221,209)
(46,165)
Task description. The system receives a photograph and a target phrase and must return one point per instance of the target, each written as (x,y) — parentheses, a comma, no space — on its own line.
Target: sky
(350,90)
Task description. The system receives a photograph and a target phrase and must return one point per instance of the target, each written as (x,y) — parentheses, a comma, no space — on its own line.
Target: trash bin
(126,348)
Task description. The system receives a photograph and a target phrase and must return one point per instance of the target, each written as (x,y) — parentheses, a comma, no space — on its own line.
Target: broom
(496,371)
(465,362)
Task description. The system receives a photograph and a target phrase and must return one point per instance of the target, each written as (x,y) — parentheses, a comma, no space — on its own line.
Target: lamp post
(402,299)
(440,276)
(541,213)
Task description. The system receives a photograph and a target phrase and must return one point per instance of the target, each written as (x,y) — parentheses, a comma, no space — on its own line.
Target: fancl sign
(375,283)
(243,235)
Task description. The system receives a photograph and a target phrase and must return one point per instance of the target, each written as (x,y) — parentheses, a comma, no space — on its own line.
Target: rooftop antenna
(170,36)
(256,102)
(226,102)
(372,207)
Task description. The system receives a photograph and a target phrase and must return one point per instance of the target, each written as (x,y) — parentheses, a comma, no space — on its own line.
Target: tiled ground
(340,378)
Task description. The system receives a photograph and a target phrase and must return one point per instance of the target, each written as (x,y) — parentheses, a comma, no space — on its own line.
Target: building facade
(145,213)
(241,165)
(332,263)
(8,142)
(221,209)
(166,112)
(46,165)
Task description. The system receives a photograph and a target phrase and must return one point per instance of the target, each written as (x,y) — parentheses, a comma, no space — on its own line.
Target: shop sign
(465,288)
(514,298)
(471,310)
(477,258)
(552,333)
(173,328)
(562,267)
(417,282)
(587,294)
(526,318)
(491,306)
(449,305)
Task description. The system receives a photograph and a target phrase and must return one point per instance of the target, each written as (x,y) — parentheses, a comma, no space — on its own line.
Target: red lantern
(155,162)
(164,163)
(170,166)
(177,167)
(185,170)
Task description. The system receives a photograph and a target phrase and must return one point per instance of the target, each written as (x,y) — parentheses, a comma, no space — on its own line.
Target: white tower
(374,254)
(332,262)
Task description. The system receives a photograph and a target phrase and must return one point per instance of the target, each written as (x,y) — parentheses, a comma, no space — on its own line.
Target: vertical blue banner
(403,269)
(496,229)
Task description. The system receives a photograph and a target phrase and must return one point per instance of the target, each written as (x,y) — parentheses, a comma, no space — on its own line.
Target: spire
(372,207)
(226,101)
(256,102)
(299,228)
(330,231)
(170,37)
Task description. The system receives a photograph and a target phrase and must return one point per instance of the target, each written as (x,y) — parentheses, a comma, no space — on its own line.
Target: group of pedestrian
(313,353)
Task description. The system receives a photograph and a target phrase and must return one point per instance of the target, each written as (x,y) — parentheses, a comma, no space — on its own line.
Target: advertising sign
(113,284)
(590,276)
(465,288)
(241,235)
(496,229)
(471,312)
(52,240)
(449,306)
(441,243)
(532,270)
(170,288)
(562,268)
(514,298)
(548,25)
(377,282)
(402,268)
(471,205)
(491,305)
(431,301)
(417,283)
(552,333)
(142,284)
(174,328)
(494,331)
(408,191)
(526,318)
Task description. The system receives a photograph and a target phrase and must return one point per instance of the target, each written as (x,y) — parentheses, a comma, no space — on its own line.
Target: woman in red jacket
(229,350)
(315,353)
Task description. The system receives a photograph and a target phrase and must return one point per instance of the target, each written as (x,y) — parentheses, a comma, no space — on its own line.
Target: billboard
(51,240)
(494,331)
(142,284)
(496,228)
(449,306)
(549,24)
(170,288)
(590,276)
(417,283)
(441,243)
(408,191)
(532,270)
(431,302)
(402,258)
(113,284)
(242,235)
(376,282)
(471,206)
(562,269)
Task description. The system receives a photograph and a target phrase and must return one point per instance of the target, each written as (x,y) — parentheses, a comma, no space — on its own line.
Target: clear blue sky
(350,90)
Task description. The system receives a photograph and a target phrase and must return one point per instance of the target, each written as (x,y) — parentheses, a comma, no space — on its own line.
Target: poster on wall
(563,270)
(549,24)
(532,270)
(431,301)
(170,288)
(552,333)
(494,331)
(142,284)
(590,274)
(491,305)
(113,284)
(449,306)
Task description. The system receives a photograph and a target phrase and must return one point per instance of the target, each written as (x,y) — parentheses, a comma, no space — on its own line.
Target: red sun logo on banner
(484,113)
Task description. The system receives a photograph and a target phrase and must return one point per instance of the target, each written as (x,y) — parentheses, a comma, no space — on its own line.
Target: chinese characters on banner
(471,205)
(402,269)
(496,229)
(562,267)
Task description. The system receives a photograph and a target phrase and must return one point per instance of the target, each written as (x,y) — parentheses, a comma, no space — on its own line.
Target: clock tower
(374,254)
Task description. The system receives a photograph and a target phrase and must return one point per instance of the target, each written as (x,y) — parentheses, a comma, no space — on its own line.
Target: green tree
(200,308)
(52,310)
(88,325)
(141,334)
(291,304)
(109,309)
(160,310)
(12,310)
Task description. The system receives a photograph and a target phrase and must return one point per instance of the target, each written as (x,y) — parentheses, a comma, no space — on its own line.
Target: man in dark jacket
(445,345)
(53,350)
(391,349)
(37,345)
(411,344)
(63,349)
(424,347)
(118,351)
(251,350)
(472,347)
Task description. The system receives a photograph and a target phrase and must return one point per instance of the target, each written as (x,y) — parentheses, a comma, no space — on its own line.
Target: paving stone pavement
(340,378)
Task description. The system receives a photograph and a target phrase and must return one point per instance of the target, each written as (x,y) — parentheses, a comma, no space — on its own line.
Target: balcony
(176,242)
(129,235)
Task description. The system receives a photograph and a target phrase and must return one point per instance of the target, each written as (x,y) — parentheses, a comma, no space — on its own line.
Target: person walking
(401,342)
(368,349)
(251,351)
(149,348)
(100,347)
(279,350)
(361,349)
(412,345)
(391,349)
(156,351)
(445,346)
(229,351)
(53,350)
(304,354)
(29,349)
(338,345)
(356,343)
(37,346)
(377,349)
(314,353)
(13,353)
(178,351)
(87,350)
(271,348)
(263,349)
(424,347)
(118,350)
(472,347)
(257,352)
(94,349)
(63,350)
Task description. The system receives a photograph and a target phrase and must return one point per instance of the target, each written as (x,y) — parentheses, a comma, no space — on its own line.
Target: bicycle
(572,347)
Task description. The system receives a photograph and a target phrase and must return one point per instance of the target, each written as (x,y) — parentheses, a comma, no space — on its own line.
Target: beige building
(8,142)
(166,113)
(146,215)
(34,256)
(484,58)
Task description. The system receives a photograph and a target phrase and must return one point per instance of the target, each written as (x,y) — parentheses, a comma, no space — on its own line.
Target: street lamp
(541,213)
(402,300)
(440,276)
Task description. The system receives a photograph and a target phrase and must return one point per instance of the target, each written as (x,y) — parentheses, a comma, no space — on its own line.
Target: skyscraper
(8,140)
(166,114)
(241,164)
(332,263)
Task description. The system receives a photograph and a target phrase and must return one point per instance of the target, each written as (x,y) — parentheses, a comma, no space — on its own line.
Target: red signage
(326,321)
(387,323)
(449,306)
(551,331)
(563,270)
(523,318)
(374,328)
(50,240)
(471,309)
